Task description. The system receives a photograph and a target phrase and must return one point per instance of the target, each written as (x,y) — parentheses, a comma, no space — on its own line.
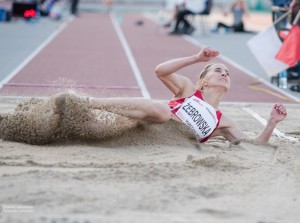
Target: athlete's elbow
(158,71)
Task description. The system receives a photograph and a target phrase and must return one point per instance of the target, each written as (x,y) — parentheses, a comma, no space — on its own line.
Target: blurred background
(18,41)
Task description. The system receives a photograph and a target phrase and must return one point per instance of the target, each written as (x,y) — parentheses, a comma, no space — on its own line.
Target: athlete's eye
(219,70)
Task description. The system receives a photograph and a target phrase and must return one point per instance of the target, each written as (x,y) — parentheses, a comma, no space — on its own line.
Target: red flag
(289,53)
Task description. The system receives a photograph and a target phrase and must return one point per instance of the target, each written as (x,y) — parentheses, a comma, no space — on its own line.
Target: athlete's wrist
(272,122)
(198,58)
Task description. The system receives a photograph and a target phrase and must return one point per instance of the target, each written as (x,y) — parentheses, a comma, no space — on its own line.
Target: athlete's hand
(206,54)
(278,112)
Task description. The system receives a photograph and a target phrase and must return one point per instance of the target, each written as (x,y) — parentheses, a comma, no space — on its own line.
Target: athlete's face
(218,76)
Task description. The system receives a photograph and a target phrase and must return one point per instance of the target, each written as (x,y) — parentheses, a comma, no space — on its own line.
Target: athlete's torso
(201,117)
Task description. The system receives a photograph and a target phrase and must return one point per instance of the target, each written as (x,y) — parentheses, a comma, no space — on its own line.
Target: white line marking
(132,62)
(246,71)
(32,55)
(264,122)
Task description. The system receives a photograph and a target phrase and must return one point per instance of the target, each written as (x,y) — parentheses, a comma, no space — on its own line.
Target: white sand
(156,174)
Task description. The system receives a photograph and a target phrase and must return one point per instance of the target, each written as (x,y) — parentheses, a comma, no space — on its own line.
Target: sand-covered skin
(156,173)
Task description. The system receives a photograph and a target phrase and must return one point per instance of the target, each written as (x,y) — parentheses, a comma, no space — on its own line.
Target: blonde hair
(203,75)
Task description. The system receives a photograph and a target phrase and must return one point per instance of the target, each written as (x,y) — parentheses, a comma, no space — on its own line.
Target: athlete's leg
(137,108)
(104,126)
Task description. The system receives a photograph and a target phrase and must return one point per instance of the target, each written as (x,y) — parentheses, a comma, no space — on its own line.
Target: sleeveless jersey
(201,117)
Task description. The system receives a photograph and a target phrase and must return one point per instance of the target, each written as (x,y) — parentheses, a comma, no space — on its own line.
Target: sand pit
(156,173)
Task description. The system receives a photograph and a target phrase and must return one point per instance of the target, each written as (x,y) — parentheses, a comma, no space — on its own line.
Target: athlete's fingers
(209,52)
(277,105)
(280,108)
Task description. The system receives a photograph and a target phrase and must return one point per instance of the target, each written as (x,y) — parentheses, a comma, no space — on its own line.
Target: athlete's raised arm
(176,83)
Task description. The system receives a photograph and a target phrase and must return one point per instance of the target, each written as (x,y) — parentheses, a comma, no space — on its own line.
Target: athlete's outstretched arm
(278,114)
(229,130)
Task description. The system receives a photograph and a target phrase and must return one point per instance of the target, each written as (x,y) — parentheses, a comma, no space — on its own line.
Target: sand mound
(27,105)
(33,122)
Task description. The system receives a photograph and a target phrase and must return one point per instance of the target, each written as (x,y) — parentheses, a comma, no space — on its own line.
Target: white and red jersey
(201,117)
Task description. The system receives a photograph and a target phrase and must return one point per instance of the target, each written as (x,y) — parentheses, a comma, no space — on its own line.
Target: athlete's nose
(225,73)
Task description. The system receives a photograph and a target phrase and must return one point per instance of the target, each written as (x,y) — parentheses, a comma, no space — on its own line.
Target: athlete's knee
(160,113)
